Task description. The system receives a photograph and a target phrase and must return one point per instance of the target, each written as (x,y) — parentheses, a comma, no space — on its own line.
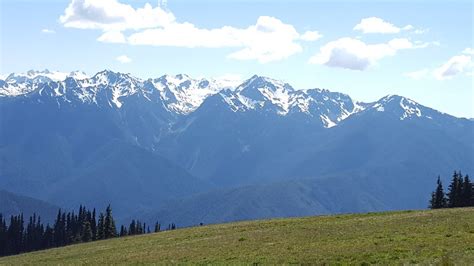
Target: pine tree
(438,199)
(93,223)
(467,192)
(132,228)
(157,227)
(100,227)
(109,224)
(455,191)
(87,231)
(3,236)
(57,229)
(67,228)
(138,228)
(48,237)
(123,231)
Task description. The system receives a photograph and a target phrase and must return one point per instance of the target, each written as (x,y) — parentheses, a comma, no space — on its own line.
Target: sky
(423,50)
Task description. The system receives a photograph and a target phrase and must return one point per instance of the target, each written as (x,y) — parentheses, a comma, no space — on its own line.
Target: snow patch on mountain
(410,108)
(328,123)
(279,97)
(17,84)
(402,107)
(183,94)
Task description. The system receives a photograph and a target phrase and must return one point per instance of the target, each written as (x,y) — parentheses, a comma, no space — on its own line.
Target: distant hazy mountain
(13,204)
(185,148)
(280,199)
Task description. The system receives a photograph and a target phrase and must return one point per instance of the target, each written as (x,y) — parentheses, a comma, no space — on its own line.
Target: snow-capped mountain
(112,134)
(46,75)
(181,94)
(403,108)
(17,84)
(262,93)
(274,96)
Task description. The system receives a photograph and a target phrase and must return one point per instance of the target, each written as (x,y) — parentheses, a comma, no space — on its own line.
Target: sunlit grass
(442,236)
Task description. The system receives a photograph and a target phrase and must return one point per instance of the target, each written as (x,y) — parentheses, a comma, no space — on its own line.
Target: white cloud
(354,54)
(48,31)
(417,74)
(269,39)
(124,59)
(420,31)
(469,51)
(112,37)
(311,36)
(110,15)
(456,65)
(378,25)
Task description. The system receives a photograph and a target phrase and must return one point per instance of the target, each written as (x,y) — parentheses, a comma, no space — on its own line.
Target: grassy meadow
(440,236)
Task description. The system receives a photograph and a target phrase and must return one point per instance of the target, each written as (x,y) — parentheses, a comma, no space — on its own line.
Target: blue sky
(419,49)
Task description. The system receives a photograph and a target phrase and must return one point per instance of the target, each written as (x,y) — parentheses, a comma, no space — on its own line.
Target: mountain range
(13,204)
(186,150)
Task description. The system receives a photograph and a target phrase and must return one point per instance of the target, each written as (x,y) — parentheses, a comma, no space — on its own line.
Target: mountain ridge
(167,140)
(183,95)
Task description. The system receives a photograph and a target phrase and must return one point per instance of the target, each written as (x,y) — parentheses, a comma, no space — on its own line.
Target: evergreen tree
(93,223)
(123,231)
(139,228)
(48,238)
(3,236)
(133,228)
(109,224)
(467,193)
(157,227)
(438,199)
(455,191)
(57,229)
(68,228)
(100,227)
(86,231)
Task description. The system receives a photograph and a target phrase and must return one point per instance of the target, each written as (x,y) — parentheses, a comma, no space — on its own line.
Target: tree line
(68,228)
(460,193)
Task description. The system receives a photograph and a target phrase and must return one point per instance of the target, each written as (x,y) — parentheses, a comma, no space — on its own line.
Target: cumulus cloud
(456,65)
(48,31)
(311,36)
(355,54)
(269,39)
(124,59)
(112,37)
(469,51)
(110,15)
(378,25)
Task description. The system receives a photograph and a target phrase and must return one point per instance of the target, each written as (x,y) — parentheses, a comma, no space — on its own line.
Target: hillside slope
(441,236)
(275,200)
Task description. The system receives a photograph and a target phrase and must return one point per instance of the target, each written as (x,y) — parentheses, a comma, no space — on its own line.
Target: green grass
(412,237)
